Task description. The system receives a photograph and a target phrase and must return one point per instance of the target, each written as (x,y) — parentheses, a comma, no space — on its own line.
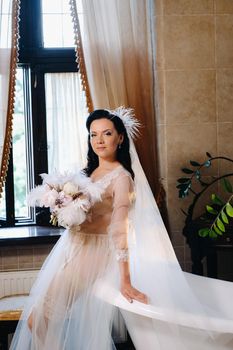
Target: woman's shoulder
(122,177)
(121,172)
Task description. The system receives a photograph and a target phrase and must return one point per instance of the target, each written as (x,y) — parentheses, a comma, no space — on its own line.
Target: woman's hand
(131,293)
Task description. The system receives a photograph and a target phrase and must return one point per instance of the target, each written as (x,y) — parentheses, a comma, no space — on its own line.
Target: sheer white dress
(67,313)
(68,300)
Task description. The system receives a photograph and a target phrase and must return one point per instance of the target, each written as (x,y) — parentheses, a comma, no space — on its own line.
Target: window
(46,49)
(21,175)
(56,24)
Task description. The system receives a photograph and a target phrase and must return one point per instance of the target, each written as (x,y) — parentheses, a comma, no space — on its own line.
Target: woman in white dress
(123,244)
(63,310)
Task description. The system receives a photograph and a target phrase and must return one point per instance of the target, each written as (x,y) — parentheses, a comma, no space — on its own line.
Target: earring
(119,146)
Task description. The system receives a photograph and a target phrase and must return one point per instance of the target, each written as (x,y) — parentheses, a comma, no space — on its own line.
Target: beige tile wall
(23,257)
(194,95)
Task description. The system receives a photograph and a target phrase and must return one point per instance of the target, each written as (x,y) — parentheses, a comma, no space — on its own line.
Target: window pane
(66,114)
(19,150)
(57,24)
(58,6)
(23,179)
(54,37)
(22,148)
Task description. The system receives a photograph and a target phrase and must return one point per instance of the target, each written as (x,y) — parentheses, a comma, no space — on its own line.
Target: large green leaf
(229,210)
(203,232)
(211,210)
(216,199)
(220,225)
(224,218)
(227,185)
(212,234)
(187,171)
(216,229)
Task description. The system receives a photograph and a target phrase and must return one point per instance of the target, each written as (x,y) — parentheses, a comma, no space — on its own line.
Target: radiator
(16,282)
(20,282)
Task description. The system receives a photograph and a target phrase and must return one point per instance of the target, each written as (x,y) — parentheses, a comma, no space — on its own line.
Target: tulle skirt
(66,312)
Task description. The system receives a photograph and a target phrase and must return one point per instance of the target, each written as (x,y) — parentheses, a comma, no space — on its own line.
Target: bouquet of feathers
(69,197)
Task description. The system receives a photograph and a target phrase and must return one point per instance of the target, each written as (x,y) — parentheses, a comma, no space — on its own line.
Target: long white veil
(180,304)
(179,300)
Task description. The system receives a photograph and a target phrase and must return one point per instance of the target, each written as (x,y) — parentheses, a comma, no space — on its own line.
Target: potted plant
(216,223)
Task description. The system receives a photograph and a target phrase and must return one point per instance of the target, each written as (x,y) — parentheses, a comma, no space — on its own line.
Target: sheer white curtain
(118,51)
(118,47)
(8,56)
(66,115)
(5,55)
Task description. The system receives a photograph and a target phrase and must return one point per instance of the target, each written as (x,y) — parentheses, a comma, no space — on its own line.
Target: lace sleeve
(118,229)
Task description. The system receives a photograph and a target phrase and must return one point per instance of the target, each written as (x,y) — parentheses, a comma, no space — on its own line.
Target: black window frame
(38,60)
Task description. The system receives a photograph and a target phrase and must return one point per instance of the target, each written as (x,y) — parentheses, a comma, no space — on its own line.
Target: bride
(122,244)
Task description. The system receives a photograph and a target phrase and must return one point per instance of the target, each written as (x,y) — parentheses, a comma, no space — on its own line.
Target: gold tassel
(11,95)
(79,55)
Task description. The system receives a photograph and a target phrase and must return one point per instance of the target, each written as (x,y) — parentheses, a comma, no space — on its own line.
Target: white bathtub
(144,322)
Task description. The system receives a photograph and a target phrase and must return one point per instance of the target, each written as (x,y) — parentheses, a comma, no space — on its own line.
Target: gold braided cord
(11,314)
(79,54)
(11,95)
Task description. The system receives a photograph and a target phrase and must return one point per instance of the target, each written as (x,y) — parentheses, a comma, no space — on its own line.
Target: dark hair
(122,155)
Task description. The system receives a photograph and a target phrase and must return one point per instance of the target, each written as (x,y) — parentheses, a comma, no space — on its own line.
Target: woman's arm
(129,292)
(122,193)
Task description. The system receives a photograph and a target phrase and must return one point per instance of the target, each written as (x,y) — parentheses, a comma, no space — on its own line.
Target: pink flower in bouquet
(63,199)
(49,198)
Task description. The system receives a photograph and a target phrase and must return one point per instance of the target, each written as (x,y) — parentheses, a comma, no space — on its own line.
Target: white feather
(57,180)
(71,215)
(131,124)
(35,197)
(94,190)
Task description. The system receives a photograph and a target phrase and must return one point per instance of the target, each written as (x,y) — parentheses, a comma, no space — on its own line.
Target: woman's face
(104,138)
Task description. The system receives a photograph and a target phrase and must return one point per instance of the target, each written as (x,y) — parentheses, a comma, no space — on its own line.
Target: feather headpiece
(127,115)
